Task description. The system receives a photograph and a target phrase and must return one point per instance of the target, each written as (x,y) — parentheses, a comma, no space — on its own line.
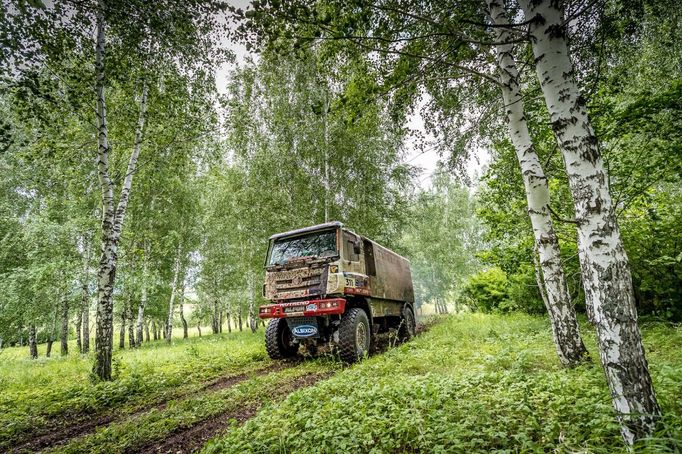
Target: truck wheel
(408,324)
(278,340)
(354,335)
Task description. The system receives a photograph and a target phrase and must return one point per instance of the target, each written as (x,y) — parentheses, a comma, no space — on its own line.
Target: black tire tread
(272,344)
(347,349)
(404,333)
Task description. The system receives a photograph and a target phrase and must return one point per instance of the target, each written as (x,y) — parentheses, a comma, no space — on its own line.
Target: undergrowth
(473,383)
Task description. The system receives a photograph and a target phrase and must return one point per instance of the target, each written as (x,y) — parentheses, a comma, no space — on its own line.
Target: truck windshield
(320,244)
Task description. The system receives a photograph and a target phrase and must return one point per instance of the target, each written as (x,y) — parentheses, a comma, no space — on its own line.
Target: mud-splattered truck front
(328,285)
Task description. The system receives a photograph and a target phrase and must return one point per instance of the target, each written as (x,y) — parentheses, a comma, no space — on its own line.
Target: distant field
(470,383)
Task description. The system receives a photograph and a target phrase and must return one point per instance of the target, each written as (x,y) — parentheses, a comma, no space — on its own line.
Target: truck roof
(312,228)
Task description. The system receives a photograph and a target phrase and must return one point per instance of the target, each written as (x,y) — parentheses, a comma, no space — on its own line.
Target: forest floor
(471,383)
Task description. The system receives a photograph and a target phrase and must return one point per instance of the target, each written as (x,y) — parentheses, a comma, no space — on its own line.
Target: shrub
(493,290)
(485,290)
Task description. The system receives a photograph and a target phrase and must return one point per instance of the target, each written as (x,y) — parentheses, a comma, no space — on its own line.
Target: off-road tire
(408,324)
(278,340)
(352,345)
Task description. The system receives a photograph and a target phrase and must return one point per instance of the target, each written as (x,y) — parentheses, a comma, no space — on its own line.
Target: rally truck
(329,286)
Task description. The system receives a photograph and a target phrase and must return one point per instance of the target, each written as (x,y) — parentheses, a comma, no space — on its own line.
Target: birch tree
(565,329)
(113,214)
(605,269)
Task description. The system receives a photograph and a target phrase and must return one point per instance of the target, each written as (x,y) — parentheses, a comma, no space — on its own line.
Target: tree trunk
(32,343)
(538,277)
(221,321)
(604,263)
(112,218)
(86,324)
(122,331)
(215,325)
(156,333)
(79,322)
(239,318)
(143,299)
(182,312)
(64,335)
(565,329)
(83,323)
(146,330)
(53,330)
(171,303)
(252,303)
(131,327)
(229,323)
(199,328)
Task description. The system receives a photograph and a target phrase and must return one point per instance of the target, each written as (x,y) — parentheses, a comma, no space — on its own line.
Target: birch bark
(112,216)
(86,324)
(252,305)
(604,263)
(171,303)
(185,334)
(565,329)
(32,343)
(64,333)
(143,298)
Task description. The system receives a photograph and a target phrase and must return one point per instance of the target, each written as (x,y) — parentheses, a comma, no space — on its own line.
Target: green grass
(157,424)
(35,392)
(473,383)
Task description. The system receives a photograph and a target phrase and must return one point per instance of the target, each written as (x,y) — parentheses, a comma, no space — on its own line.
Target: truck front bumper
(311,308)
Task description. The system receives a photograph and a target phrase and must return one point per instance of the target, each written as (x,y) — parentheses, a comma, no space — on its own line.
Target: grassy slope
(472,383)
(35,393)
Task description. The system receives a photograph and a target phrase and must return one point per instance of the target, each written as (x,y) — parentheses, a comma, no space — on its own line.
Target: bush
(485,290)
(493,290)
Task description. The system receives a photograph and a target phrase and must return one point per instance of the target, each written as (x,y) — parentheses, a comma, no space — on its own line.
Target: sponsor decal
(311,307)
(304,331)
(334,269)
(293,309)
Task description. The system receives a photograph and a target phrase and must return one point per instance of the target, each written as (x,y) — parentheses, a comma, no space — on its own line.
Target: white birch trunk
(112,217)
(604,263)
(252,306)
(143,298)
(565,329)
(182,311)
(86,325)
(32,342)
(171,303)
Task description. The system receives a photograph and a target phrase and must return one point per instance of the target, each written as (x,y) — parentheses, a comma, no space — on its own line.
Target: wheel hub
(361,336)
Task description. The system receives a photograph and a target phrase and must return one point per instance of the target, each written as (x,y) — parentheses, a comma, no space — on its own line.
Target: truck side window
(348,252)
(370,266)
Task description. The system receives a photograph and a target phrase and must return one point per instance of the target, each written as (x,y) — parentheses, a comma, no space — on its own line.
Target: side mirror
(356,247)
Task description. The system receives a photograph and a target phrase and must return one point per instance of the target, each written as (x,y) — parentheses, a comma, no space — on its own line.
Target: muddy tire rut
(192,438)
(189,438)
(63,432)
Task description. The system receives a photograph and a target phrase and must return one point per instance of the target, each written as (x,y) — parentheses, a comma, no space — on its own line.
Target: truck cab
(329,285)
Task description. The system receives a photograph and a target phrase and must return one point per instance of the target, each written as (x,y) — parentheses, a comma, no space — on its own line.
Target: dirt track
(188,438)
(74,426)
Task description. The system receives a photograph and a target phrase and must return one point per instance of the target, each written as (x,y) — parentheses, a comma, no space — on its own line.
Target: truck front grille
(296,283)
